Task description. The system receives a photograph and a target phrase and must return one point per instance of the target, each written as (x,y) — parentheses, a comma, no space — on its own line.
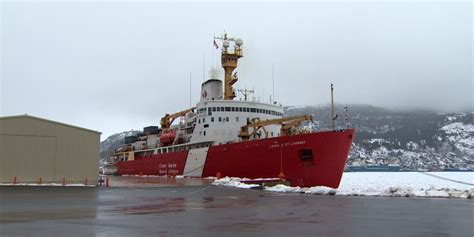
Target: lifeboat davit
(167,138)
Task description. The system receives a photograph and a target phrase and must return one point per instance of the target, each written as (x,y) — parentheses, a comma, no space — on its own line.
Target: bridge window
(212,119)
(204,133)
(222,109)
(213,109)
(220,119)
(252,110)
(206,125)
(233,109)
(203,120)
(199,121)
(227,109)
(227,119)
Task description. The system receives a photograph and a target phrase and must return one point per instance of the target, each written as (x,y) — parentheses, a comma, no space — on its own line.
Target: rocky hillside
(416,140)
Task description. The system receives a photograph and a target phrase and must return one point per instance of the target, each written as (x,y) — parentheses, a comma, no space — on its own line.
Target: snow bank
(390,184)
(321,190)
(233,182)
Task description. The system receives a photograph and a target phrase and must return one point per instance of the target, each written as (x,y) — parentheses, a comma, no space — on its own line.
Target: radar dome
(239,42)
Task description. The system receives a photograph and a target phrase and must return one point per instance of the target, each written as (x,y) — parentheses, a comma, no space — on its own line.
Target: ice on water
(390,184)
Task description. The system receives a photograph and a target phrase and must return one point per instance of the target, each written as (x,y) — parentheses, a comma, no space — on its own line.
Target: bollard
(85,182)
(64,181)
(218,175)
(40,181)
(107,182)
(14,181)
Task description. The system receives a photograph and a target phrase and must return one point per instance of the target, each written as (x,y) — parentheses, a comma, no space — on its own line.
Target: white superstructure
(221,120)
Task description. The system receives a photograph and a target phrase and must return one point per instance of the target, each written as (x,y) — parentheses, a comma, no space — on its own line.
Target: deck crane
(287,125)
(168,119)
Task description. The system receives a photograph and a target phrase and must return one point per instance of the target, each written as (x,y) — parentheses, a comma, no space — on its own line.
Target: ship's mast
(246,93)
(333,112)
(229,61)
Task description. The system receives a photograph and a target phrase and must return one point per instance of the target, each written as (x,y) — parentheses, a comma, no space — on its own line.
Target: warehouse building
(36,150)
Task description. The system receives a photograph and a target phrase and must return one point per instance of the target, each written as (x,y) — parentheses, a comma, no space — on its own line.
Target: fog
(115,66)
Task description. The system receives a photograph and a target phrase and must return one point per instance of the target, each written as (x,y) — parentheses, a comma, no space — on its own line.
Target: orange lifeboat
(167,139)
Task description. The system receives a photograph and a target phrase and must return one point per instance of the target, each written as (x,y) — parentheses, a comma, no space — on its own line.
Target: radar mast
(229,61)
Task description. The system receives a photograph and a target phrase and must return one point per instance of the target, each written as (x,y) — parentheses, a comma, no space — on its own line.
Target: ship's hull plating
(313,159)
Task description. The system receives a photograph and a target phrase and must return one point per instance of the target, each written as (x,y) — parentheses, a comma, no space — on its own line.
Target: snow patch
(462,135)
(233,182)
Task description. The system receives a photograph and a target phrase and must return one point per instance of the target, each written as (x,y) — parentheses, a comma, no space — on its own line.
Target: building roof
(49,121)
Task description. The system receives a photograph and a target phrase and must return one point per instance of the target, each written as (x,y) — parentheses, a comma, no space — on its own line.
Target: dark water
(203,210)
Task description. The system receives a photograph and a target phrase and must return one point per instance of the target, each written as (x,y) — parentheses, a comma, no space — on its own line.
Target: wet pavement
(195,208)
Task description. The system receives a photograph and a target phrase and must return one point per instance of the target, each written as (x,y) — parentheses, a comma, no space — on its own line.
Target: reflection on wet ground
(192,207)
(155,181)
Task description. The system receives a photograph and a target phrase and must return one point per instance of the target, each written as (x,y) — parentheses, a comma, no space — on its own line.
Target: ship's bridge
(221,120)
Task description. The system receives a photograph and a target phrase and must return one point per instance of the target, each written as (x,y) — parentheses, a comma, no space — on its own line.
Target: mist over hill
(416,140)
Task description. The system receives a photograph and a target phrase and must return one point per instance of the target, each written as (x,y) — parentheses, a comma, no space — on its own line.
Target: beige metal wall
(31,148)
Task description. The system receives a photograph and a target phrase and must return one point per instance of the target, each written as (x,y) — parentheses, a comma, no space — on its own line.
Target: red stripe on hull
(266,158)
(159,164)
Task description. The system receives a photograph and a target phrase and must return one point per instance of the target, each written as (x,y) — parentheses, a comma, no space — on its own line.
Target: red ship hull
(313,159)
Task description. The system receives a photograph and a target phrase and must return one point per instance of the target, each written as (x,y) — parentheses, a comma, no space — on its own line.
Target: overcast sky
(115,66)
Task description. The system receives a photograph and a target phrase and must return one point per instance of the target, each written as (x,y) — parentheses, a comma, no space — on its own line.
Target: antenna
(214,47)
(334,116)
(203,67)
(190,78)
(245,93)
(273,80)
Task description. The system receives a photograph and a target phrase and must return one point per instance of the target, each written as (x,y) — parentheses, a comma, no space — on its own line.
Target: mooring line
(447,179)
(199,190)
